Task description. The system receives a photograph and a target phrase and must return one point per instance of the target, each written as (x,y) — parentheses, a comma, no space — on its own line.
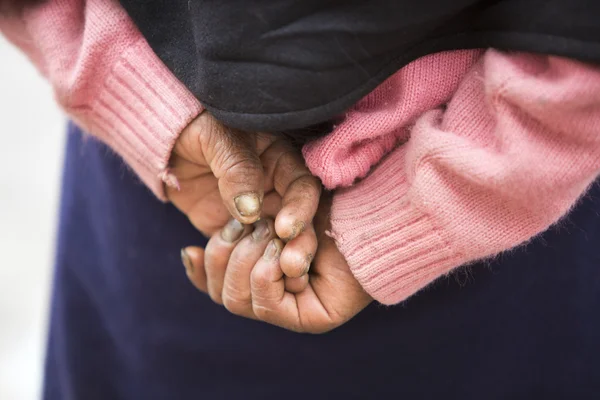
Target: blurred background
(31,132)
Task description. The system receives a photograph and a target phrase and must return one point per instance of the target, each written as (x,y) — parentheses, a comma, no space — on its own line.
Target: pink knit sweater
(497,147)
(107,78)
(463,154)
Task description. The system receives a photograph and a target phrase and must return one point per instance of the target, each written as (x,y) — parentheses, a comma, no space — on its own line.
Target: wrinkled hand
(222,173)
(245,275)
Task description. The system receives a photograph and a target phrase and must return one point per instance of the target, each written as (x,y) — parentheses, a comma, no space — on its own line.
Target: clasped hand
(270,262)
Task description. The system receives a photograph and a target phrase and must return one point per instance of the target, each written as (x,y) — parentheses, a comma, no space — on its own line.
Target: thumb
(233,158)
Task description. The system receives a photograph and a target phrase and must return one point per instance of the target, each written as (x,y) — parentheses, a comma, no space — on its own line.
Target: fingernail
(273,249)
(232,231)
(297,229)
(309,260)
(261,230)
(248,205)
(187,262)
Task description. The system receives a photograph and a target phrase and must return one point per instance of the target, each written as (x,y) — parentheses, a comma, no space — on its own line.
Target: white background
(31,144)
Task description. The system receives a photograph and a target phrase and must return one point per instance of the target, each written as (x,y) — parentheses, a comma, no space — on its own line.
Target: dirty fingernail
(273,249)
(187,262)
(309,259)
(261,230)
(248,205)
(232,231)
(297,229)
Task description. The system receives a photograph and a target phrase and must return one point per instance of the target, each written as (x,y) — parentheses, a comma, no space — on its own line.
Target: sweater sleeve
(508,156)
(107,79)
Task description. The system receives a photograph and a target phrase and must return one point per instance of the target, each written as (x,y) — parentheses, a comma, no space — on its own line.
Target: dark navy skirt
(126,323)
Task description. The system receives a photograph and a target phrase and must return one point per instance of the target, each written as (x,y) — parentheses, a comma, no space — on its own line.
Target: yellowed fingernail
(232,231)
(248,205)
(187,262)
(273,249)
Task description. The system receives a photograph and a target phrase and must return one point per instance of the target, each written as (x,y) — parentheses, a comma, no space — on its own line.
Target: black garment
(285,64)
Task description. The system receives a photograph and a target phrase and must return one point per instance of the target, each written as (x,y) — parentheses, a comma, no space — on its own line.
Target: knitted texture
(376,124)
(513,150)
(107,78)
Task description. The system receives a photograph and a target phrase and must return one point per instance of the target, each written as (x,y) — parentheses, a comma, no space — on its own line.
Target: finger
(217,254)
(299,205)
(233,158)
(298,253)
(296,285)
(302,312)
(193,261)
(271,205)
(299,189)
(270,302)
(236,294)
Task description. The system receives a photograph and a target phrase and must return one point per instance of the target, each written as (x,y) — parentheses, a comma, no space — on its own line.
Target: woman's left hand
(245,276)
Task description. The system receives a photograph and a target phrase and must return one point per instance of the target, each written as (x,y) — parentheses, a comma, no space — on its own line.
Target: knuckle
(231,156)
(225,146)
(289,165)
(280,182)
(293,270)
(309,186)
(291,162)
(264,140)
(235,305)
(260,281)
(224,159)
(239,167)
(303,193)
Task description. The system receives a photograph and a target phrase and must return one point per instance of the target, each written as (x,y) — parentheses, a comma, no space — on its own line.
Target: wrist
(147,109)
(400,250)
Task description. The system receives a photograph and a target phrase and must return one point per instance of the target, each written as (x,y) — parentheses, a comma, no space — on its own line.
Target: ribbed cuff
(392,247)
(141,110)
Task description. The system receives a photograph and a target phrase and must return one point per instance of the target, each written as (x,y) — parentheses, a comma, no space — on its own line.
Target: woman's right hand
(247,276)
